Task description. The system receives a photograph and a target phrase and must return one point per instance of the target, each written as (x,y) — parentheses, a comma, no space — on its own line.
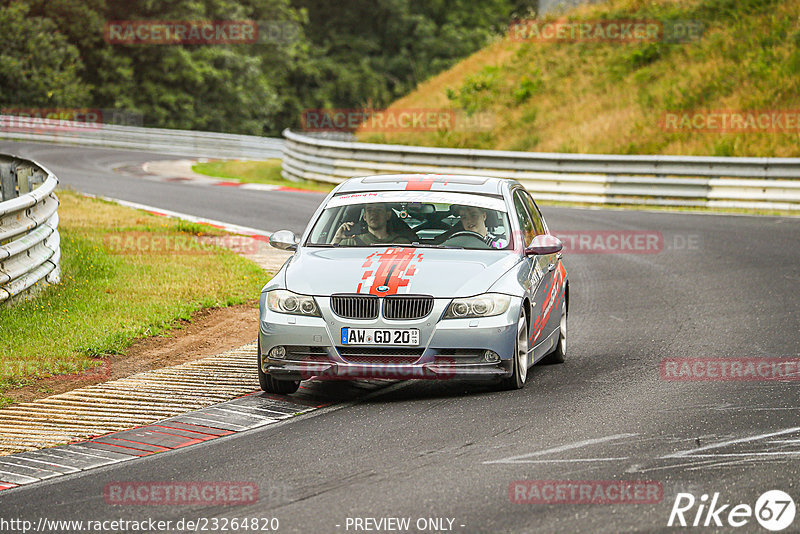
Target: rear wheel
(270,384)
(519,364)
(560,354)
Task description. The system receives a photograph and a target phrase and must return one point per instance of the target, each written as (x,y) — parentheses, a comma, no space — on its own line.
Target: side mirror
(544,244)
(284,240)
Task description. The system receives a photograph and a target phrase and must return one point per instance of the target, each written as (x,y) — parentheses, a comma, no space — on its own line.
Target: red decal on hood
(394,270)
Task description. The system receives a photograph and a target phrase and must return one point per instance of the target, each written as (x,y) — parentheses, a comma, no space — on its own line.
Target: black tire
(519,368)
(271,385)
(560,352)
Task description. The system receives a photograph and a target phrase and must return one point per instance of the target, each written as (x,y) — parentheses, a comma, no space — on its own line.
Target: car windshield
(419,218)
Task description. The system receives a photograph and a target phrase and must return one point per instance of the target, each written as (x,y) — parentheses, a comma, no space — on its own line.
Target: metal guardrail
(30,250)
(162,141)
(751,183)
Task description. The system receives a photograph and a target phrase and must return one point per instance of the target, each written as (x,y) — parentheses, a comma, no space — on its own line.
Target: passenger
(473,219)
(376,216)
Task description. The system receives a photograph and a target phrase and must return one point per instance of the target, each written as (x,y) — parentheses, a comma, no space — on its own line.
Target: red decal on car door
(553,297)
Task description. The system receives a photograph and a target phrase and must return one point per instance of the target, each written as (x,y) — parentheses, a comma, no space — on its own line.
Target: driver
(474,220)
(376,216)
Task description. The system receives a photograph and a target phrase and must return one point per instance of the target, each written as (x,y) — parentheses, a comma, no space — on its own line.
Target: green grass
(596,97)
(256,172)
(109,296)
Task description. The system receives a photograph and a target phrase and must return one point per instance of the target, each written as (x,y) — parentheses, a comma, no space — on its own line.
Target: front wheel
(519,364)
(560,353)
(271,385)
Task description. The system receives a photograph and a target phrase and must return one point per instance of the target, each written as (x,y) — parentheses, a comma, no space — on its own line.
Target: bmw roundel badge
(382,289)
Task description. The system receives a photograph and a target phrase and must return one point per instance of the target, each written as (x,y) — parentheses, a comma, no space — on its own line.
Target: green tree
(38,66)
(350,53)
(230,88)
(370,53)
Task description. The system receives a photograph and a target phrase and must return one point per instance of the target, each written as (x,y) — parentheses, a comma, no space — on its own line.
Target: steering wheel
(466,233)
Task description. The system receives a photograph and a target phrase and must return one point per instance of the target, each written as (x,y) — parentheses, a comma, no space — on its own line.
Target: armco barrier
(30,250)
(159,140)
(752,183)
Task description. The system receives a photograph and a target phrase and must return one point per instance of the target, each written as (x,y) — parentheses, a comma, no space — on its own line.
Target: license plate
(379,336)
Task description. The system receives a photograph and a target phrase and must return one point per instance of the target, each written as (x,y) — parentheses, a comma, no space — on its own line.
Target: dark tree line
(322,53)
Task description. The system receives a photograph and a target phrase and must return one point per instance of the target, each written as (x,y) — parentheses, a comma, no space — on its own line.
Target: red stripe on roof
(421,183)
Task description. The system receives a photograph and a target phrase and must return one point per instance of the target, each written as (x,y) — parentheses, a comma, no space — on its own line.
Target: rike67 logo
(774,510)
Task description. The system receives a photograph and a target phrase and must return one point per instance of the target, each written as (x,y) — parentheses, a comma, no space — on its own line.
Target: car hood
(395,270)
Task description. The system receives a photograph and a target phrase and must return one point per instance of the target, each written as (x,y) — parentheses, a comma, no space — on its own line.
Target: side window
(525,222)
(535,214)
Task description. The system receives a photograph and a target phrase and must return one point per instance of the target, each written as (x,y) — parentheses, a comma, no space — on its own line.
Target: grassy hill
(610,97)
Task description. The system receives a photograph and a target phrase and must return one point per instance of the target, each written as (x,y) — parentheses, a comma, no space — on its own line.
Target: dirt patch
(211,331)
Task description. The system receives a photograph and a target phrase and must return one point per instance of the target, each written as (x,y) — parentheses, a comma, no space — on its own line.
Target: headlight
(283,301)
(484,305)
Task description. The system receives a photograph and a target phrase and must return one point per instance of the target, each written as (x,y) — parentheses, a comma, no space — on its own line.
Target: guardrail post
(37,178)
(8,181)
(24,179)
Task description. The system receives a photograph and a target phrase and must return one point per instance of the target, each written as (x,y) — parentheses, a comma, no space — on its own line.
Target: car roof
(427,182)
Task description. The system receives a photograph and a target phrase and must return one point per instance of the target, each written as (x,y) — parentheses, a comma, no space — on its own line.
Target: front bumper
(449,349)
(296,370)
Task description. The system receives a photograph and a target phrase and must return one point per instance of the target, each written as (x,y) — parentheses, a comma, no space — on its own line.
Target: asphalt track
(91,170)
(722,287)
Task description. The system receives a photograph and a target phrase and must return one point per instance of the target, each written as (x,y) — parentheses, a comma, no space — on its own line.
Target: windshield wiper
(400,245)
(429,245)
